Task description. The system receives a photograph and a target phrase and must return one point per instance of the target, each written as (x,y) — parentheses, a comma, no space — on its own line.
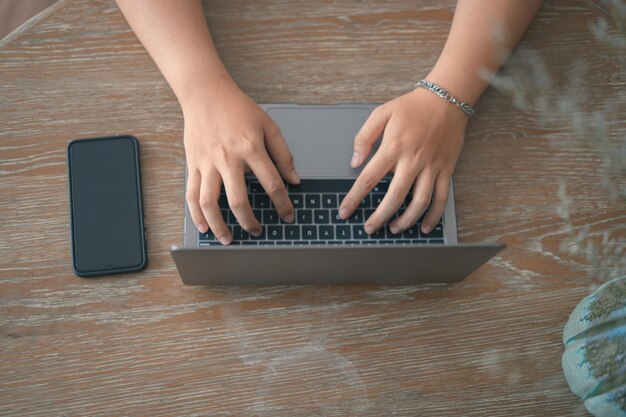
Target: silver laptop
(320,248)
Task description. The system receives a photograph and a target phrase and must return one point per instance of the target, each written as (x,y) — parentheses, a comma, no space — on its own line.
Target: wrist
(439,110)
(464,84)
(445,95)
(204,91)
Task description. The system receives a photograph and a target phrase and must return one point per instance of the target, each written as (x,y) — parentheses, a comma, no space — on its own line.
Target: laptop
(319,247)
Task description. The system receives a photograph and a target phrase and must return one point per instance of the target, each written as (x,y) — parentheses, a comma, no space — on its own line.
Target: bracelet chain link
(443,93)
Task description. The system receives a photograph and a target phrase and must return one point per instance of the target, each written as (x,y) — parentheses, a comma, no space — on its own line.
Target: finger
(209,203)
(237,196)
(279,152)
(399,187)
(273,185)
(374,171)
(422,192)
(369,133)
(192,195)
(440,197)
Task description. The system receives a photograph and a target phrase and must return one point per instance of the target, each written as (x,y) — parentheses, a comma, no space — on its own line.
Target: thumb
(371,130)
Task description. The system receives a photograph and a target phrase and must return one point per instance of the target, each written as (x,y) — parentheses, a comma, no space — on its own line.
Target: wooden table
(144,344)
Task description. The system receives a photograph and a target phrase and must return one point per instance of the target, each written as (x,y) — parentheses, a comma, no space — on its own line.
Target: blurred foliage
(566,107)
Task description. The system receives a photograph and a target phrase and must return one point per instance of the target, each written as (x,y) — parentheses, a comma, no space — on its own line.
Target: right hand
(226,135)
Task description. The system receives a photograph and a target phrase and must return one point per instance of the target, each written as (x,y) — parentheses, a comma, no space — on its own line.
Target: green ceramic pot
(594,361)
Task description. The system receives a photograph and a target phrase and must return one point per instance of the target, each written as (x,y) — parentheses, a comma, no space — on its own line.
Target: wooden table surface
(144,344)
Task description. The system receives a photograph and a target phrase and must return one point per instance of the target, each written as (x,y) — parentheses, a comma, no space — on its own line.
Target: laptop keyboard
(316,204)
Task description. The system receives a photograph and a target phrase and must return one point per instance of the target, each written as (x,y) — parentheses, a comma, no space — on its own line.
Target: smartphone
(106,211)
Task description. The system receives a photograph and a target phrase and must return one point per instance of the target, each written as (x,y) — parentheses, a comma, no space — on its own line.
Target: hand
(226,135)
(423,137)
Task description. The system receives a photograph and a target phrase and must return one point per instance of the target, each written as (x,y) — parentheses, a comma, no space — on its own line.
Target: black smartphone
(106,211)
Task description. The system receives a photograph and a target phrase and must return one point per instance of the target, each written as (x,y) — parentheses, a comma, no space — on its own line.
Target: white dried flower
(528,81)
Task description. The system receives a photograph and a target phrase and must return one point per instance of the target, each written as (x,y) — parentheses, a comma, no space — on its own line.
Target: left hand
(422,140)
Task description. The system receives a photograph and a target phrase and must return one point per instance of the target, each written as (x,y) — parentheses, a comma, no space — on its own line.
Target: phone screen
(105,202)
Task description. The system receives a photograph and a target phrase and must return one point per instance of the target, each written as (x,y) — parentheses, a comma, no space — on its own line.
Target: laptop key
(437,232)
(436,241)
(379,234)
(304,216)
(321,186)
(312,201)
(334,217)
(223,201)
(329,201)
(270,217)
(321,216)
(377,198)
(232,220)
(240,234)
(297,200)
(256,187)
(309,232)
(275,232)
(382,186)
(292,232)
(261,201)
(327,232)
(411,233)
(366,202)
(343,232)
(249,242)
(358,232)
(262,236)
(266,243)
(206,236)
(405,202)
(403,242)
(357,216)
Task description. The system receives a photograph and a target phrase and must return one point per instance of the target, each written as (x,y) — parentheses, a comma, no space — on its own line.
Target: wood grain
(144,344)
(14,13)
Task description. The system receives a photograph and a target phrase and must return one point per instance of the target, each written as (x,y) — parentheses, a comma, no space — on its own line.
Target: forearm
(483,33)
(176,35)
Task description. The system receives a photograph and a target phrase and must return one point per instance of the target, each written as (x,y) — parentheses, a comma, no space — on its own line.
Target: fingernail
(256,233)
(356,159)
(289,218)
(294,176)
(426,228)
(369,229)
(343,213)
(394,229)
(202,228)
(223,240)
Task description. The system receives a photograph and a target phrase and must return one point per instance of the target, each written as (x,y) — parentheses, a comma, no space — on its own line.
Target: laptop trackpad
(321,138)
